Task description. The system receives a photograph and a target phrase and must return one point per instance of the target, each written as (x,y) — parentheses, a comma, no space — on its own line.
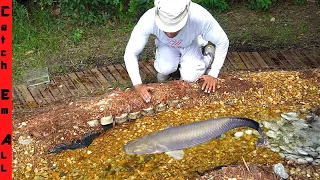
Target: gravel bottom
(105,159)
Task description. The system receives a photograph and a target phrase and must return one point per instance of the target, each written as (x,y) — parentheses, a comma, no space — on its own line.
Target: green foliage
(43,3)
(138,7)
(89,11)
(299,2)
(259,4)
(220,5)
(34,35)
(77,35)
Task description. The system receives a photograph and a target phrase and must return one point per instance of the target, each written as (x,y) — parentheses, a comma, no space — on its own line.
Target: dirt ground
(284,26)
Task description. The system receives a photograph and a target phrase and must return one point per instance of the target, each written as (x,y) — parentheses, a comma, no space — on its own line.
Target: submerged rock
(299,140)
(280,171)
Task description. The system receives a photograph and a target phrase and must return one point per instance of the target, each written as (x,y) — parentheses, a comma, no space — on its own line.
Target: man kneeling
(181,28)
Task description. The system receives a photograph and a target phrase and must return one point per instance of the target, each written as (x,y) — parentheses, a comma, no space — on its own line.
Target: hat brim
(167,27)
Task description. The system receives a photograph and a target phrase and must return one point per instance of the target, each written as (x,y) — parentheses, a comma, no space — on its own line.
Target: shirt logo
(175,42)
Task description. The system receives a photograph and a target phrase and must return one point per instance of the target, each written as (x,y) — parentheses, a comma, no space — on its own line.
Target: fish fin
(178,154)
(169,126)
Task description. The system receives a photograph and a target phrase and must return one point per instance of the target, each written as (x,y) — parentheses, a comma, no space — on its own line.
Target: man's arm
(215,34)
(138,39)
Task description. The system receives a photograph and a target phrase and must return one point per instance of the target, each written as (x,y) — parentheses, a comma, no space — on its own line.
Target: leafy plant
(43,3)
(299,2)
(77,35)
(220,5)
(259,4)
(138,7)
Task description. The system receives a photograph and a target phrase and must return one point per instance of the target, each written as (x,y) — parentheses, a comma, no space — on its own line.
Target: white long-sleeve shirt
(200,22)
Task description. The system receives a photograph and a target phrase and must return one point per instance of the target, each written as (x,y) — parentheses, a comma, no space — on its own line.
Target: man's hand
(210,83)
(144,91)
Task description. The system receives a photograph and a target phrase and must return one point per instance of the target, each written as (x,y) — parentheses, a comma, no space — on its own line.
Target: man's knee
(165,68)
(191,72)
(190,76)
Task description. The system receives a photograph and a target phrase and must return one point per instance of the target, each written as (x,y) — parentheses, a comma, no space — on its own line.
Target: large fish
(172,140)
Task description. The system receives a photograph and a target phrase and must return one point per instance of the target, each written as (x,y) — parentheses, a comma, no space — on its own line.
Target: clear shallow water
(105,159)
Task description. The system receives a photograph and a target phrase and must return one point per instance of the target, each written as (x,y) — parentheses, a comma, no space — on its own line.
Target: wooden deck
(98,80)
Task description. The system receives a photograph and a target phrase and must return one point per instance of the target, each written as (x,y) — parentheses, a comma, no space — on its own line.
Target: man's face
(172,34)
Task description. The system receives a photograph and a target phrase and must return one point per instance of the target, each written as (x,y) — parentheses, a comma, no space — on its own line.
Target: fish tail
(262,141)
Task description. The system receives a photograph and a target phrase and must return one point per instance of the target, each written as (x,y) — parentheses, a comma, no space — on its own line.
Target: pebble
(276,149)
(309,159)
(271,134)
(238,134)
(301,161)
(280,171)
(287,149)
(249,131)
(93,123)
(286,140)
(291,116)
(122,118)
(24,140)
(106,120)
(300,151)
(266,124)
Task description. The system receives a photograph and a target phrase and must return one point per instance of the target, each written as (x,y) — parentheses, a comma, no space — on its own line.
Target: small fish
(172,140)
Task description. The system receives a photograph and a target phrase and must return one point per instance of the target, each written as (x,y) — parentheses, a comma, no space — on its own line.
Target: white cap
(171,15)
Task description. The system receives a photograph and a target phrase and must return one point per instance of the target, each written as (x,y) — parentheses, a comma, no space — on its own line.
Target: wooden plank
(253,61)
(262,63)
(15,101)
(116,74)
(98,88)
(69,84)
(61,87)
(123,72)
(293,59)
(236,61)
(27,96)
(150,68)
(268,60)
(246,61)
(297,58)
(283,60)
(77,83)
(85,81)
(315,54)
(227,65)
(145,73)
(311,58)
(107,74)
(54,89)
(36,94)
(19,101)
(317,50)
(232,62)
(99,76)
(46,93)
(275,59)
(92,78)
(146,69)
(305,60)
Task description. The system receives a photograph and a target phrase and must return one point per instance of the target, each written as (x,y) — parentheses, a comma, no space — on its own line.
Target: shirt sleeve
(138,39)
(215,34)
